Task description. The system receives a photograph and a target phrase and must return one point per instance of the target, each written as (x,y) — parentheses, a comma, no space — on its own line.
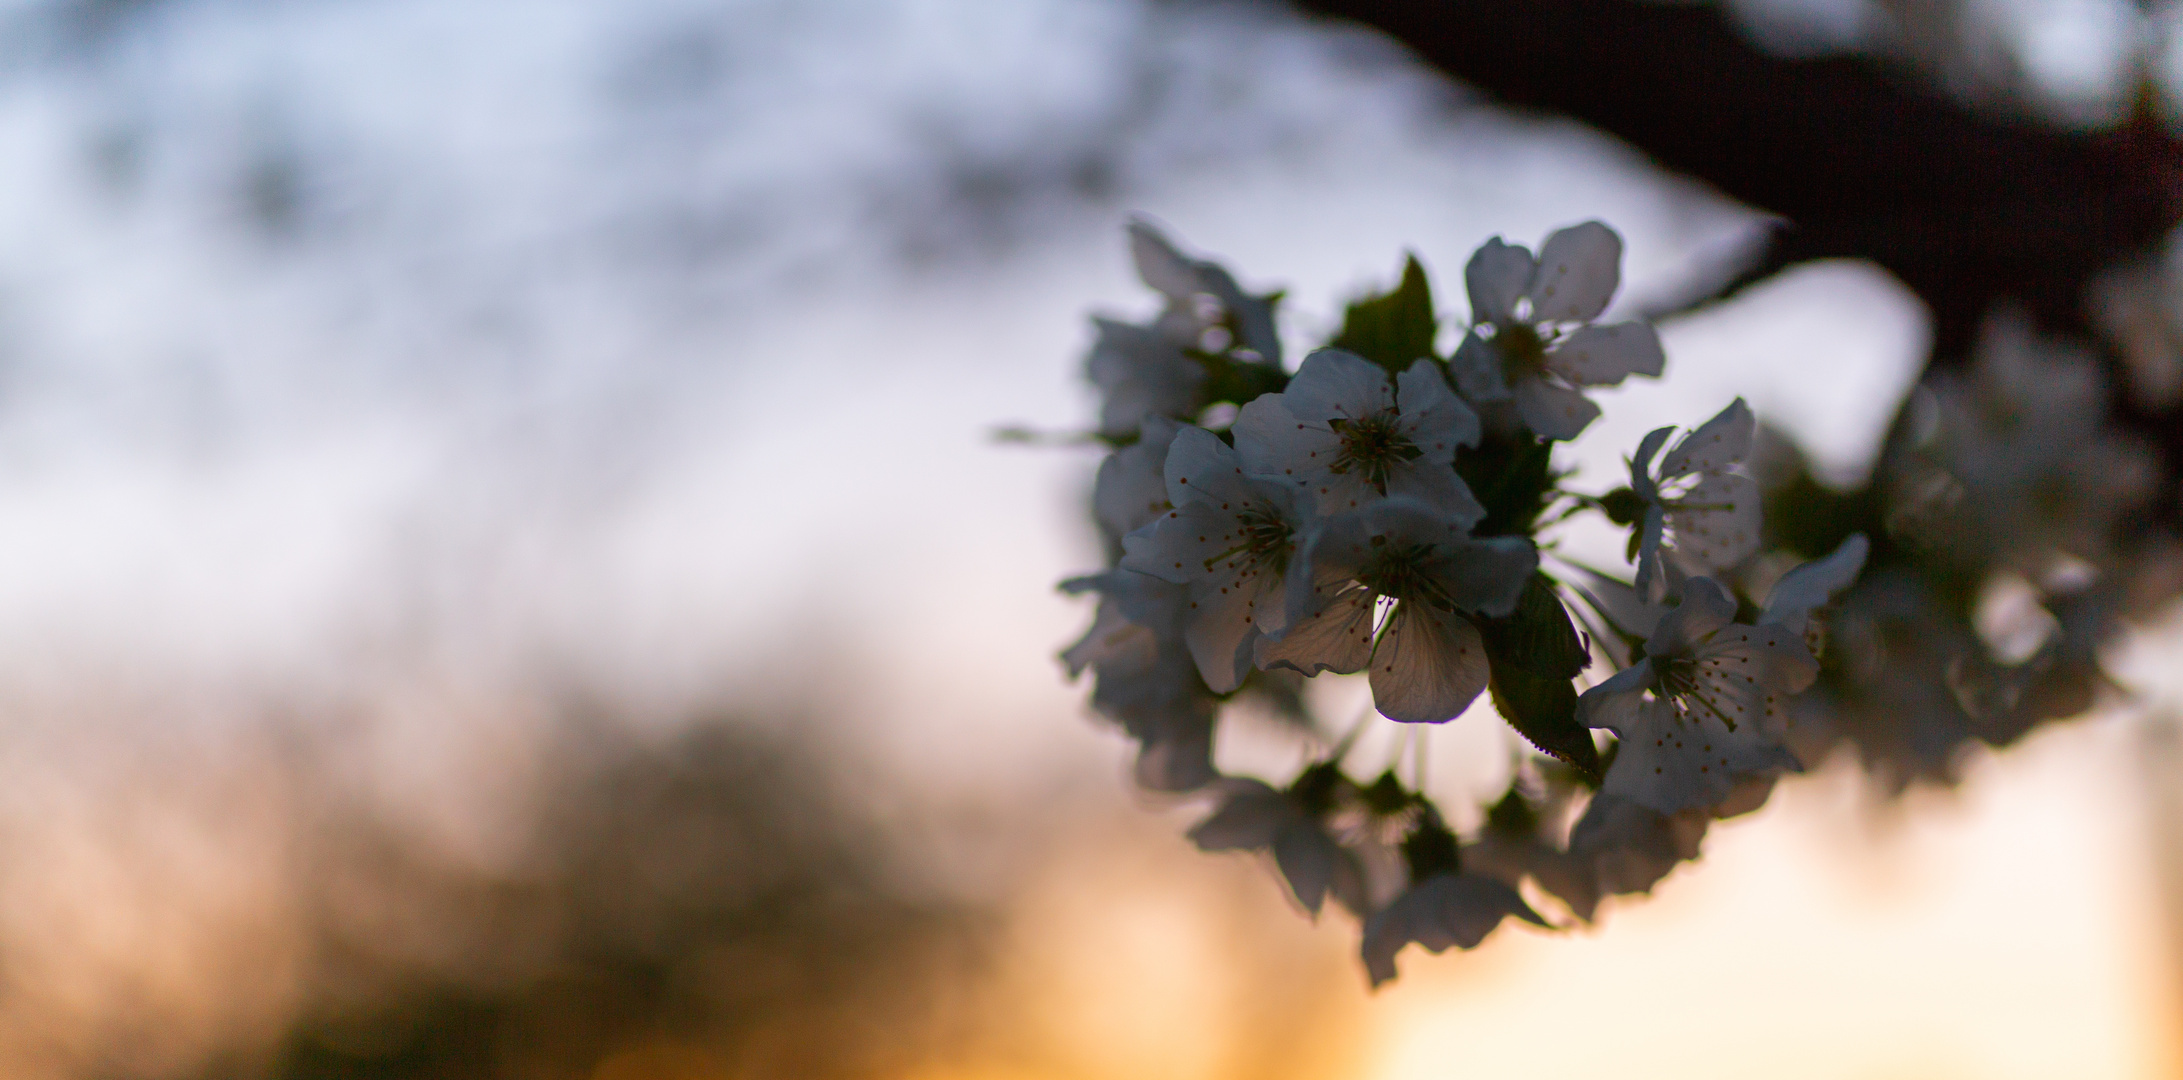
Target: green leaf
(1513,478)
(1534,654)
(1393,329)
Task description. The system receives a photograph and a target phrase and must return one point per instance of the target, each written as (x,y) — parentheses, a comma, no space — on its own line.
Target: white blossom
(1131,489)
(1454,909)
(1349,434)
(1532,337)
(1426,657)
(1699,505)
(1509,859)
(1206,310)
(1140,372)
(1155,369)
(1229,538)
(1629,847)
(1805,589)
(1146,681)
(1704,707)
(1255,816)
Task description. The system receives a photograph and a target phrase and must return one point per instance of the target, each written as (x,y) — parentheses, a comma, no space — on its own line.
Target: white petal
(1814,585)
(1716,522)
(1340,492)
(1651,529)
(1605,355)
(1131,491)
(1333,383)
(1717,444)
(1178,762)
(1429,667)
(1271,441)
(1556,412)
(1309,860)
(1484,576)
(1768,657)
(1476,368)
(1160,265)
(1451,910)
(1435,484)
(1614,704)
(1337,637)
(1497,274)
(1669,764)
(1432,416)
(1631,847)
(1705,608)
(1579,268)
(1175,548)
(1142,373)
(1641,480)
(1252,812)
(1624,607)
(1201,468)
(1224,623)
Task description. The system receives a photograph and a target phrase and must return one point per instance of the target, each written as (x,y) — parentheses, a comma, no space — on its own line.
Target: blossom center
(1523,351)
(1400,572)
(1679,683)
(1371,447)
(1266,541)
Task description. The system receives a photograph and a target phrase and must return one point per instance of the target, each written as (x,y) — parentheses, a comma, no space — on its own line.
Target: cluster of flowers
(1379,510)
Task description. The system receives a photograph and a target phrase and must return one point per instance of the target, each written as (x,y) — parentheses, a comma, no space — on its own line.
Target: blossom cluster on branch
(1389,508)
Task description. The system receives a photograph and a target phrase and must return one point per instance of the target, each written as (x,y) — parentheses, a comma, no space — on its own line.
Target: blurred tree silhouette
(1969,207)
(707,906)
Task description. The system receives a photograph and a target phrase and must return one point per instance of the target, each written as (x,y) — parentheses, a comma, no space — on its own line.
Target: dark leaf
(1535,652)
(1392,329)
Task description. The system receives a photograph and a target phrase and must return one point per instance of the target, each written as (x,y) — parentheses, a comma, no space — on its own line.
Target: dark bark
(1967,208)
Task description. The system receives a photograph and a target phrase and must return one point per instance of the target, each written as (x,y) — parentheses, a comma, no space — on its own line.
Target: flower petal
(1717,444)
(1716,522)
(1476,369)
(1605,355)
(1672,762)
(1555,412)
(1651,529)
(1435,484)
(1131,490)
(1224,623)
(1768,657)
(1432,416)
(1178,761)
(1337,637)
(1310,861)
(1497,274)
(1271,441)
(1813,585)
(1252,812)
(1335,384)
(1484,576)
(1614,704)
(1641,480)
(1160,266)
(1202,469)
(1142,373)
(1456,910)
(1705,608)
(1429,666)
(1579,268)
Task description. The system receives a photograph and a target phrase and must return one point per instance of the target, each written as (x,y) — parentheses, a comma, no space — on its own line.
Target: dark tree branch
(1967,209)
(1964,208)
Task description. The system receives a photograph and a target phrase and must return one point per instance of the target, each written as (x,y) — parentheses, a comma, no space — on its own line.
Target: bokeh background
(508,573)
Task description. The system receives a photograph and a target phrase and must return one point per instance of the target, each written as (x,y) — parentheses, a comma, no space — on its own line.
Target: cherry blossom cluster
(1388,509)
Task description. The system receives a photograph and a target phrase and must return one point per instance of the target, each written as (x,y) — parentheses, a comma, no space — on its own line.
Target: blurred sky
(654,347)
